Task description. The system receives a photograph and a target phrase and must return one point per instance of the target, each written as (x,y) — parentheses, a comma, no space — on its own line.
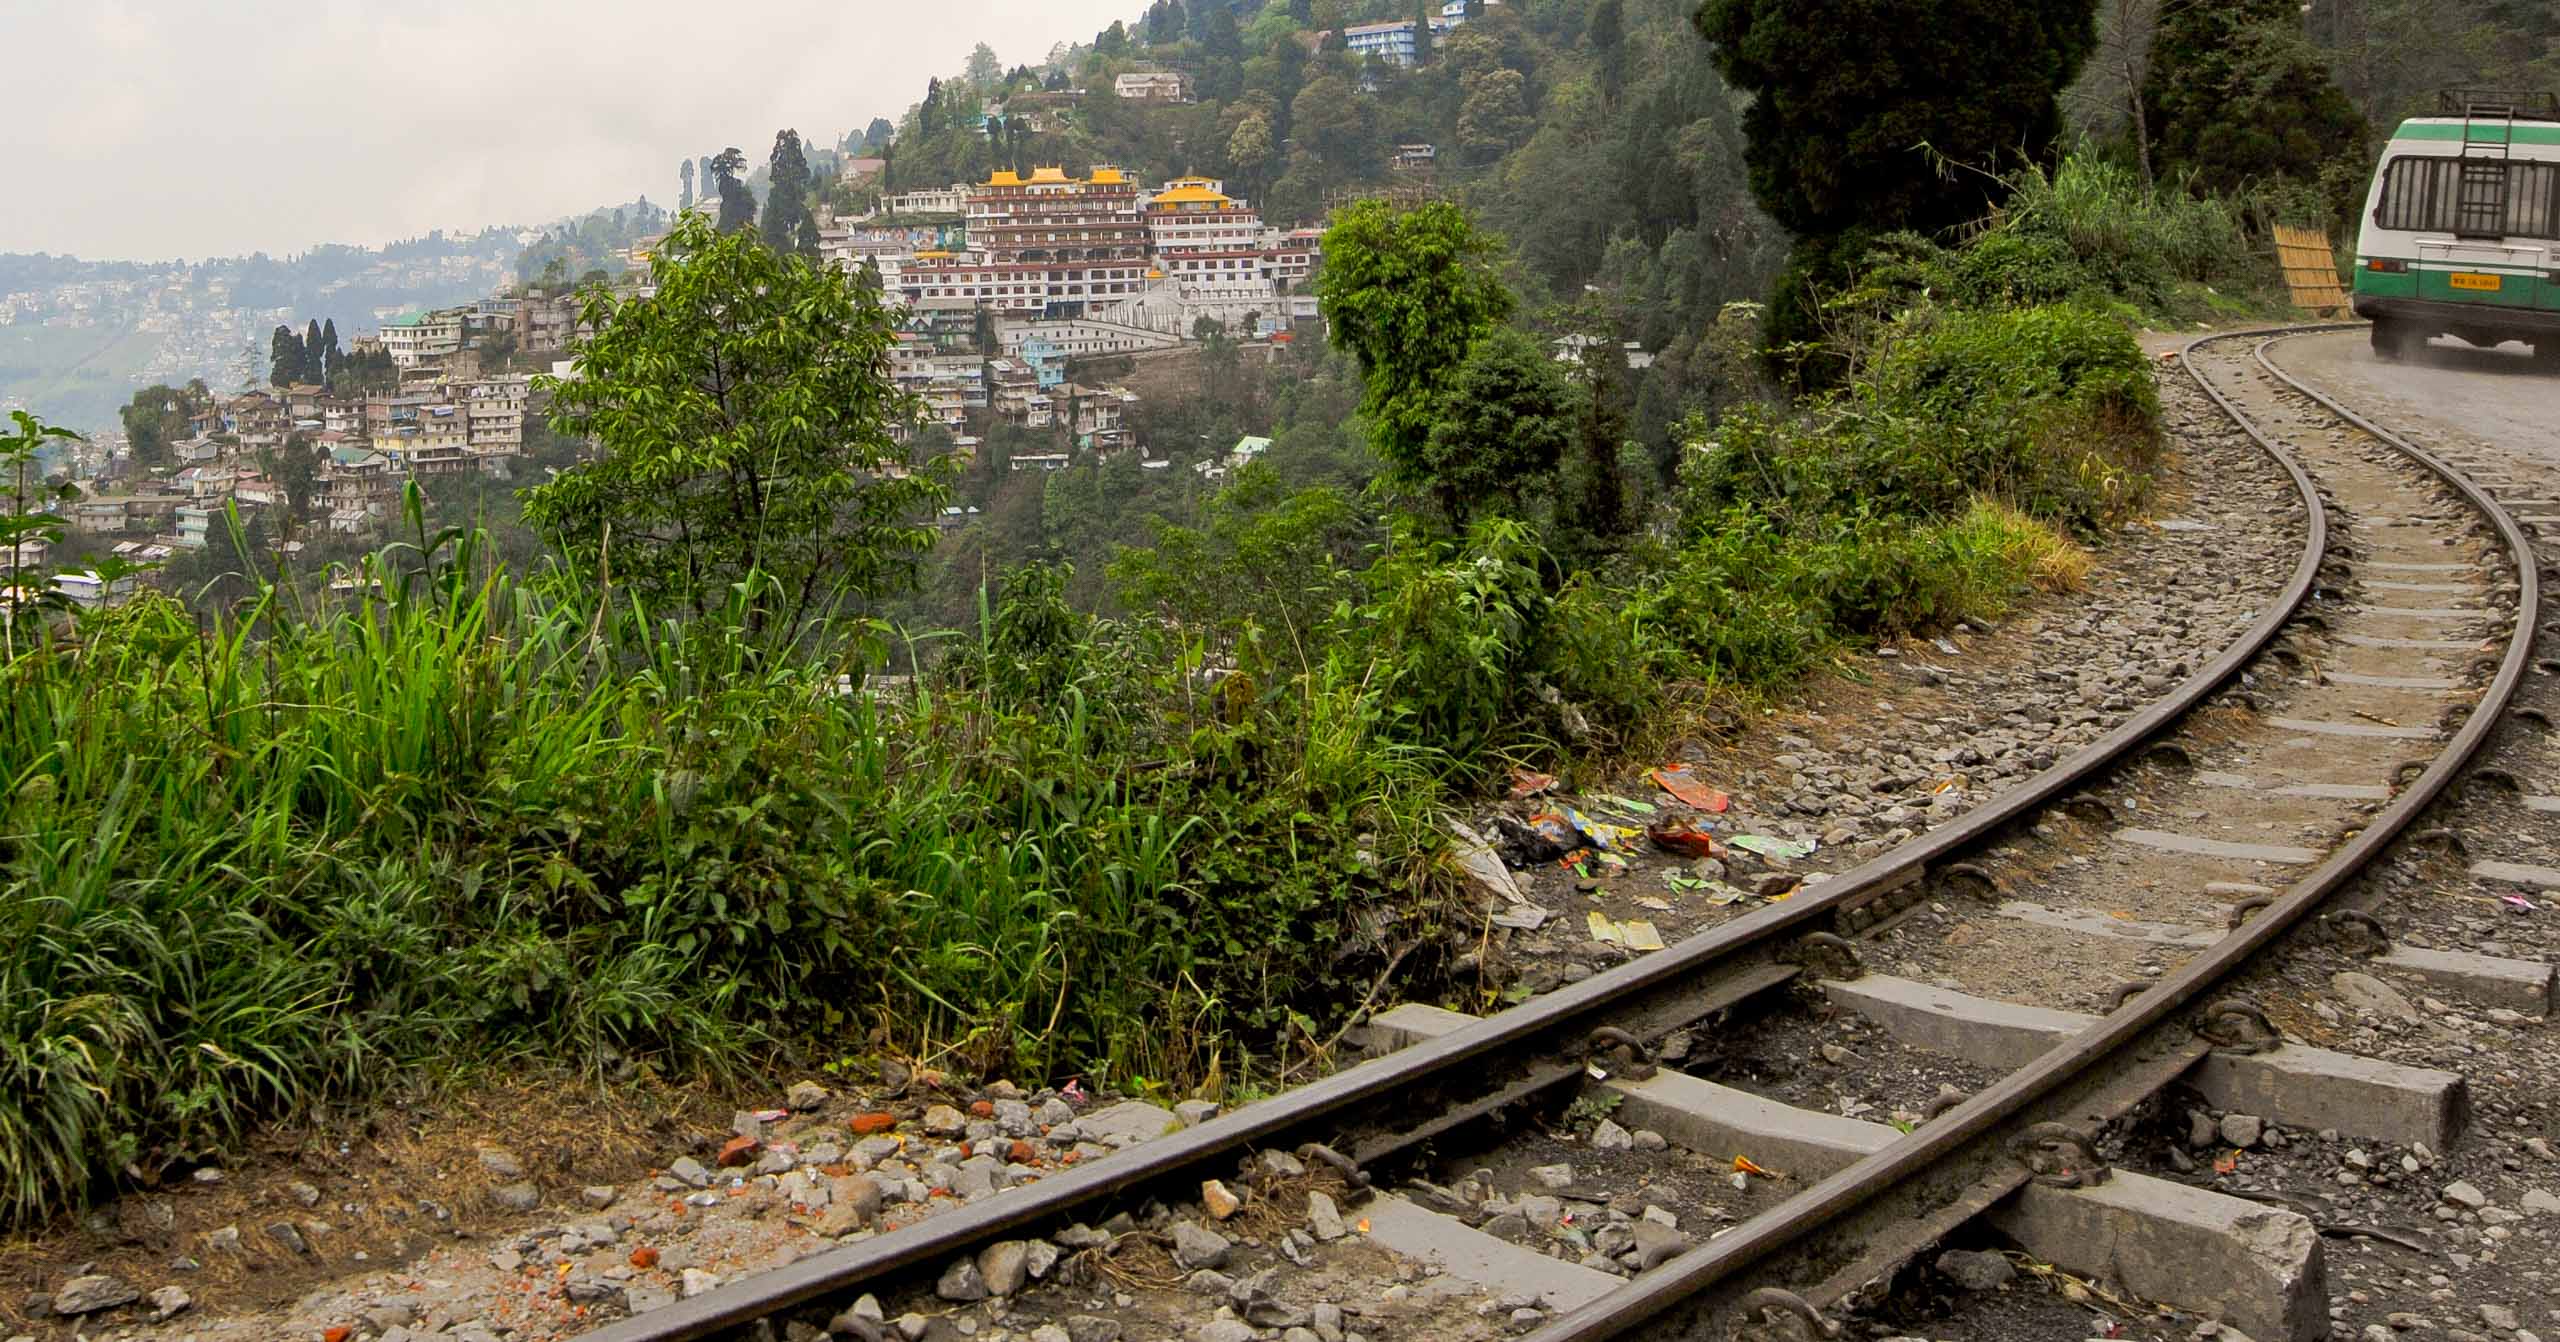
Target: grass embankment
(249,865)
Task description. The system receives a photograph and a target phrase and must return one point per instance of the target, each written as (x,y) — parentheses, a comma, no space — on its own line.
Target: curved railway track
(2343,688)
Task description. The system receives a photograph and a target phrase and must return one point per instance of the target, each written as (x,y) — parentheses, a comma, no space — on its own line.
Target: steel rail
(1553,1016)
(1677,1283)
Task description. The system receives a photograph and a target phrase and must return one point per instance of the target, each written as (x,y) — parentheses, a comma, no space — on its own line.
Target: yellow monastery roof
(1005,177)
(1104,175)
(1050,174)
(1191,192)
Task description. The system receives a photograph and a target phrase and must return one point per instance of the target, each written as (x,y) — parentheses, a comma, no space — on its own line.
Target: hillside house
(1152,86)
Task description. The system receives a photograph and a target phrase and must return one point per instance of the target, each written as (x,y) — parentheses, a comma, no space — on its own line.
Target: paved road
(2495,396)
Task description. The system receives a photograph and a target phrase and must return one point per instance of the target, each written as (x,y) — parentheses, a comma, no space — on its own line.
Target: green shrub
(2087,234)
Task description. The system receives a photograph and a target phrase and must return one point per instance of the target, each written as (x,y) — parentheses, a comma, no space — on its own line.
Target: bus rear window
(2425,195)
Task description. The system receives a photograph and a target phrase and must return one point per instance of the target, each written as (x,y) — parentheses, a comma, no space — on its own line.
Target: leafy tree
(1859,105)
(1500,425)
(1495,116)
(788,225)
(2238,95)
(743,416)
(984,70)
(878,134)
(737,206)
(1249,149)
(1114,41)
(1409,293)
(684,196)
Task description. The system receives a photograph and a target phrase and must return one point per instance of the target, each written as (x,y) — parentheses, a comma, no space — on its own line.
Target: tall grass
(252,862)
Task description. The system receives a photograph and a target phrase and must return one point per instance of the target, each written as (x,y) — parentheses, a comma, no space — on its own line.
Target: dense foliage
(2238,98)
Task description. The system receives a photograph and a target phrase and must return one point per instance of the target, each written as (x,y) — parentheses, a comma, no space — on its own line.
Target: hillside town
(1001,289)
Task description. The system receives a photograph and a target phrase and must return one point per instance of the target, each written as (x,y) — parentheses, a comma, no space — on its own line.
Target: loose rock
(1324,1220)
(94,1292)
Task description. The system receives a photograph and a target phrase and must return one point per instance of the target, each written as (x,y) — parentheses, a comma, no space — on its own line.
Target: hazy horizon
(159,131)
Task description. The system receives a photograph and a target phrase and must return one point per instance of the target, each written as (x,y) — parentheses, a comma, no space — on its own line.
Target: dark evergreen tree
(684,197)
(284,357)
(788,225)
(1608,34)
(737,205)
(1114,40)
(312,351)
(1223,77)
(1599,507)
(1304,11)
(1870,118)
(2238,95)
(331,356)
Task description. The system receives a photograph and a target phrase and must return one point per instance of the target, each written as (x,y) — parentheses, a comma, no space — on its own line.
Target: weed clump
(2086,233)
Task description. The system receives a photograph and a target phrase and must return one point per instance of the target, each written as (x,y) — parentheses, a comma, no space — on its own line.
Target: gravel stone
(1196,1246)
(1976,1271)
(962,1282)
(1004,1265)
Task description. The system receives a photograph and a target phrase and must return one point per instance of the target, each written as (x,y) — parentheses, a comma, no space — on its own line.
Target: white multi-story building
(1393,43)
(422,340)
(952,199)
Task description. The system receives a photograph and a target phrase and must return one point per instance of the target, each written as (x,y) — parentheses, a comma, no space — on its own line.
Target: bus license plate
(2487,284)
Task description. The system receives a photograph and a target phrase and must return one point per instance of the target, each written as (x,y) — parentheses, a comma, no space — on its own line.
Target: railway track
(2218,820)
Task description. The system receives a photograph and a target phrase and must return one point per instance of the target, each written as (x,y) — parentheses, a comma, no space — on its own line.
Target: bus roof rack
(2511,104)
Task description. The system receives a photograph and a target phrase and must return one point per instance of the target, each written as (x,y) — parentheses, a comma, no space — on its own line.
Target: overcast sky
(152,129)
